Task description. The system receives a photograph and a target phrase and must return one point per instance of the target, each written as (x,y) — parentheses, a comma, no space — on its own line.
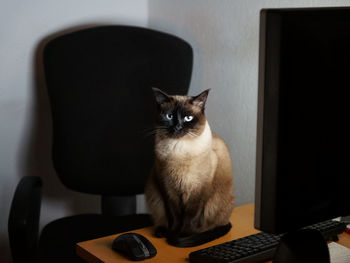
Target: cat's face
(180,116)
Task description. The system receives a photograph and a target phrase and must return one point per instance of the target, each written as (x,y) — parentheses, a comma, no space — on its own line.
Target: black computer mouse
(134,246)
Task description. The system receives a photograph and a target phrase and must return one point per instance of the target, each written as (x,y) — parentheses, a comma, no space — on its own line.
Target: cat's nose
(178,127)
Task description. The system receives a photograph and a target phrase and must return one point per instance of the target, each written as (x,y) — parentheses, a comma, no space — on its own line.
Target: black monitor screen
(303,164)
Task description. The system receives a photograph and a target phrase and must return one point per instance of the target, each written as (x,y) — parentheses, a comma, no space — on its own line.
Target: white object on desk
(339,253)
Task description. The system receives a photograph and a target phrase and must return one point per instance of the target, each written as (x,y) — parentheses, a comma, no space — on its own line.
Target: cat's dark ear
(160,96)
(200,99)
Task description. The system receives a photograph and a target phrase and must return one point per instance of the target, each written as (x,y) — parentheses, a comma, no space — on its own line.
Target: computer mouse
(134,246)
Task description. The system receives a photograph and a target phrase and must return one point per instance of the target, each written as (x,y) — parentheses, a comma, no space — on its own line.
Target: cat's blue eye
(188,118)
(169,116)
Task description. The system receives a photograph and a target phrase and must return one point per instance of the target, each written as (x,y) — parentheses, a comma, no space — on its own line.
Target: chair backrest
(99,84)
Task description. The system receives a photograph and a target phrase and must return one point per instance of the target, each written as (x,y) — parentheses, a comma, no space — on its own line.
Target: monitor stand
(306,245)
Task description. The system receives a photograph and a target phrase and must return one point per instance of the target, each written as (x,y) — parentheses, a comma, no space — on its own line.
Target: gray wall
(224,34)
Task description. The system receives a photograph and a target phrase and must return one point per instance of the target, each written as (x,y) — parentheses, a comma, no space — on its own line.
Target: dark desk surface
(242,218)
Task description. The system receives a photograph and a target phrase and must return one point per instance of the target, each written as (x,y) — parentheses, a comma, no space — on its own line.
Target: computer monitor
(303,161)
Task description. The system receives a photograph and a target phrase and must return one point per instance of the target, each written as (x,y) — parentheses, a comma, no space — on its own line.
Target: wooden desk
(242,219)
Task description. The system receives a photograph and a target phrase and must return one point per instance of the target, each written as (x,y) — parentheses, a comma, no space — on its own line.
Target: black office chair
(99,84)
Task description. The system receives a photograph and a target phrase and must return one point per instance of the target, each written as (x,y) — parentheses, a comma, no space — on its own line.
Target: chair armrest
(23,224)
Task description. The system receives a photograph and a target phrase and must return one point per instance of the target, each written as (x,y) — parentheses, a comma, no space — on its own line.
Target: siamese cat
(190,189)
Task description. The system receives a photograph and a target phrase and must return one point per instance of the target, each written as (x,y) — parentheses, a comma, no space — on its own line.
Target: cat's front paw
(172,235)
(161,231)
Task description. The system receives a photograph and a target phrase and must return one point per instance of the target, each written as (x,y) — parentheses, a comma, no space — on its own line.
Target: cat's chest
(180,186)
(184,180)
(189,177)
(182,150)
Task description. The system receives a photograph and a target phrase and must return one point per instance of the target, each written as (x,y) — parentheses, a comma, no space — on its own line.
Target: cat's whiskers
(192,134)
(153,131)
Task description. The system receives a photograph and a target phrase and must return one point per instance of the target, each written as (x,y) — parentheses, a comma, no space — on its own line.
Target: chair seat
(58,239)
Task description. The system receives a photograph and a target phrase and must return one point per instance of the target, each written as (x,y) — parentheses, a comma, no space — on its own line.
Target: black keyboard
(257,247)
